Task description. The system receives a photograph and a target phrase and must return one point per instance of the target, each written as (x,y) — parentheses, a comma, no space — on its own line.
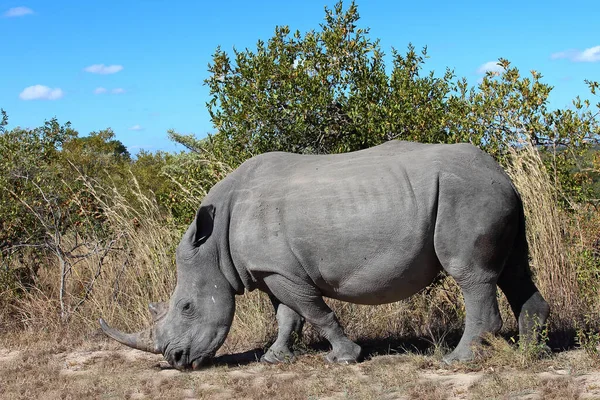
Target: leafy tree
(157,176)
(4,120)
(97,151)
(100,157)
(316,93)
(194,172)
(28,159)
(509,110)
(34,201)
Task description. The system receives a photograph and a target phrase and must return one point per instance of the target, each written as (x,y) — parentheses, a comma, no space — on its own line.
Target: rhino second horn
(141,340)
(158,310)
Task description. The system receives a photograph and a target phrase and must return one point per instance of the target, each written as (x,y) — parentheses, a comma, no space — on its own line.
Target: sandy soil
(105,370)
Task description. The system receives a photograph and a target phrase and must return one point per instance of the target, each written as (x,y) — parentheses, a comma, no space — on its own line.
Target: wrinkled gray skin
(370,227)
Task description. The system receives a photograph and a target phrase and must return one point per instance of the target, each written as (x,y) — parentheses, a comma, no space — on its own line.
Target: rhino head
(193,324)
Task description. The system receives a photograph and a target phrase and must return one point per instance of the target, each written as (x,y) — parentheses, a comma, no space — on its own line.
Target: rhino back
(360,226)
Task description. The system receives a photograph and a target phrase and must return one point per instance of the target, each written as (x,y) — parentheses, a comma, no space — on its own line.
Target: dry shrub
(115,275)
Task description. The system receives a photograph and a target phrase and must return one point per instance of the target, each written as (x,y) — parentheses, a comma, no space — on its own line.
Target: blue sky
(137,66)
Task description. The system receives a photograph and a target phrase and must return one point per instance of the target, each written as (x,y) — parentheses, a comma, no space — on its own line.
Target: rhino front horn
(141,340)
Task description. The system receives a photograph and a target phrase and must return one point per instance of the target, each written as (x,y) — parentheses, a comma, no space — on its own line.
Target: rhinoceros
(369,227)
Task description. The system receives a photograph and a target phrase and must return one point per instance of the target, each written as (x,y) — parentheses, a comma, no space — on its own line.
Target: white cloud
(103,69)
(563,54)
(18,12)
(41,92)
(491,66)
(136,128)
(591,54)
(102,90)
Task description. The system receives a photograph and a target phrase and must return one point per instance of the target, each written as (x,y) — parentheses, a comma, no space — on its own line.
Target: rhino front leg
(308,302)
(290,325)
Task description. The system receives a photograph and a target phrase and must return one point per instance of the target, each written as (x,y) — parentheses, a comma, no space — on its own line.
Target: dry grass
(254,322)
(50,367)
(549,234)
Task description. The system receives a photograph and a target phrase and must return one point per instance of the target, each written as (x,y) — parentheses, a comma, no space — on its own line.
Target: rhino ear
(204,224)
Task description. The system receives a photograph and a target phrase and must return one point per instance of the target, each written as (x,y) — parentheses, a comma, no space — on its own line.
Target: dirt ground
(101,369)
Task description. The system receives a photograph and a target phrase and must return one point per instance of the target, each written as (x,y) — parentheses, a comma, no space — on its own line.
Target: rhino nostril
(178,355)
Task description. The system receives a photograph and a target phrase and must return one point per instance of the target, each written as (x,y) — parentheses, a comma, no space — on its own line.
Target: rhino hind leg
(528,305)
(309,303)
(482,317)
(290,325)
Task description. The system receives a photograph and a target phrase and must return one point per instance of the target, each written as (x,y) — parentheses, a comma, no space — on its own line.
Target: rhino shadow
(558,340)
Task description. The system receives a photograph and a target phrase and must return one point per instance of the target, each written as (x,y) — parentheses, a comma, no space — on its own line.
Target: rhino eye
(187,307)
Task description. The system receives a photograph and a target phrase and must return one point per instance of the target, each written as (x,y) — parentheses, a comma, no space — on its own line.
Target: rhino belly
(385,277)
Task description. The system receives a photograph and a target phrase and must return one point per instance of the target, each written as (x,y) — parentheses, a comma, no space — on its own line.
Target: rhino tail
(516,281)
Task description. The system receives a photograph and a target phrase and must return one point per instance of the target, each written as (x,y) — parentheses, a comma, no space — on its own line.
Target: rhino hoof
(279,357)
(344,356)
(340,360)
(457,356)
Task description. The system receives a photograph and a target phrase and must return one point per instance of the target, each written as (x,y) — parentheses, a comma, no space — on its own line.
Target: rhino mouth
(181,360)
(191,364)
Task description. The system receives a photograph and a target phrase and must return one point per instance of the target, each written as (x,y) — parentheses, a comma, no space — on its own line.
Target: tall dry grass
(552,234)
(135,265)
